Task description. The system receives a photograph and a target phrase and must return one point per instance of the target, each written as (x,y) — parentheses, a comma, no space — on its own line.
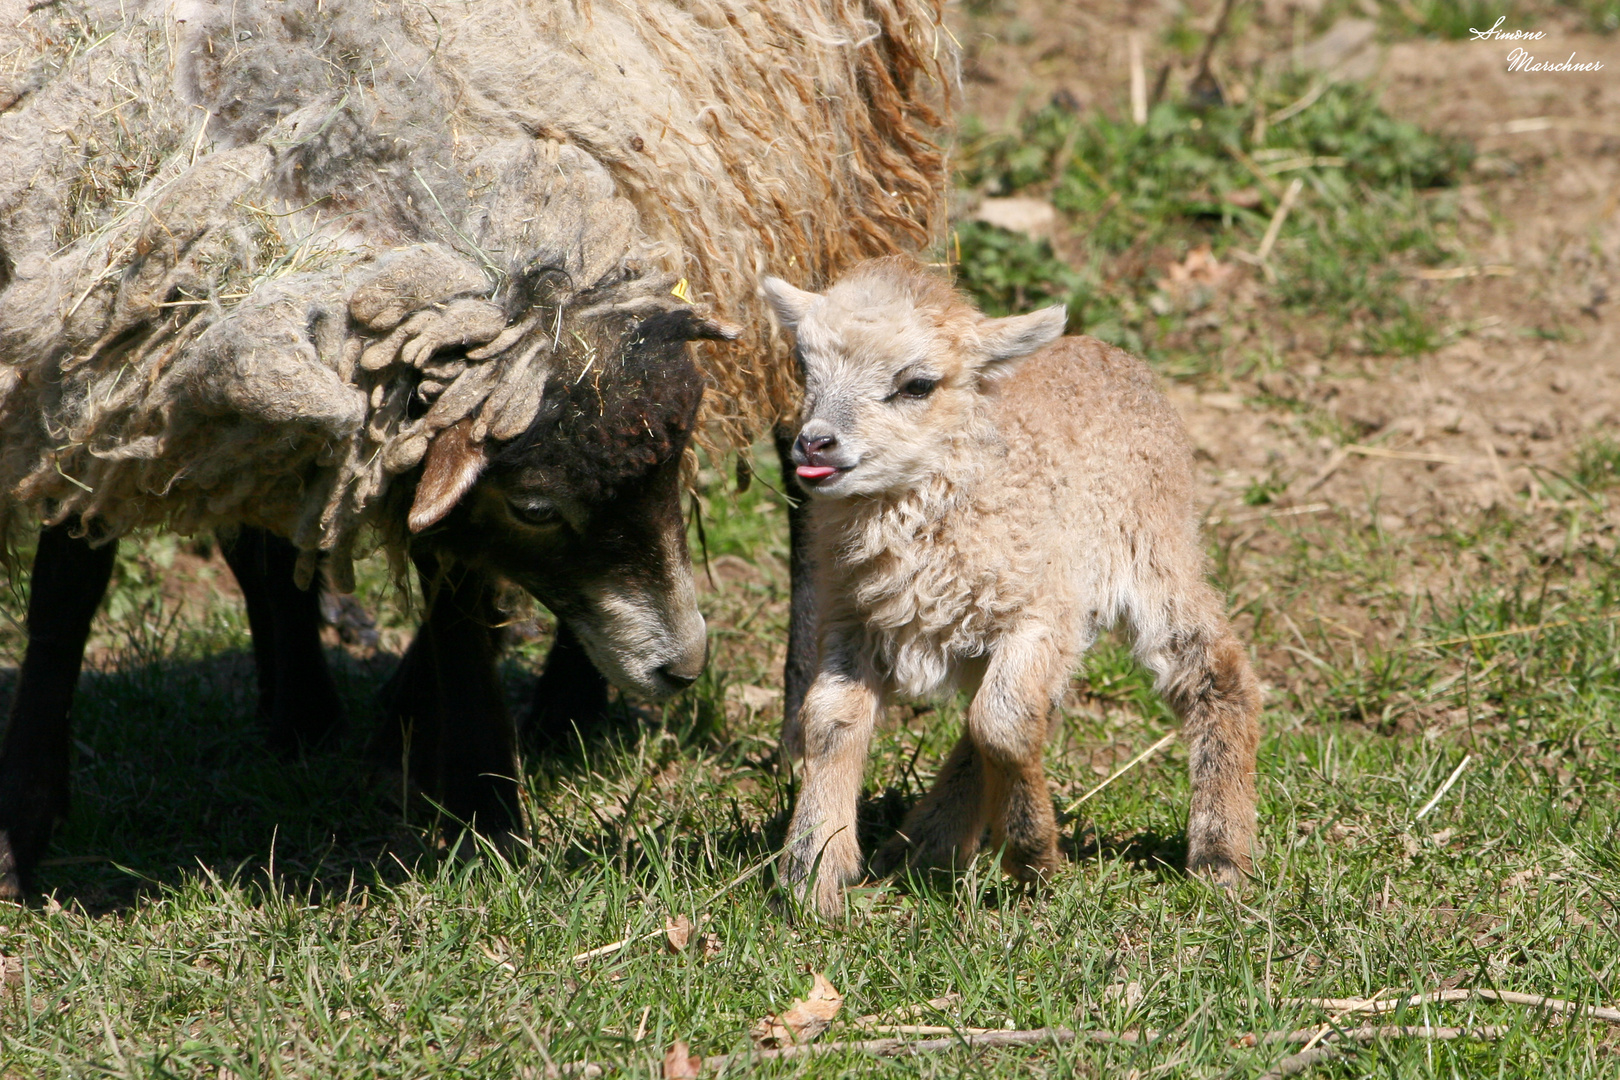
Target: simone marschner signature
(1521,60)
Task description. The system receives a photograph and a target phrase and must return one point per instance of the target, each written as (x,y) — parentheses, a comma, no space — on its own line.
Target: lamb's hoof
(820,897)
(1034,872)
(892,857)
(1222,871)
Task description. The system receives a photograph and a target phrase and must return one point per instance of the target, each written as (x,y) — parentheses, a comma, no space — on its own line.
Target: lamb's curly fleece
(233,235)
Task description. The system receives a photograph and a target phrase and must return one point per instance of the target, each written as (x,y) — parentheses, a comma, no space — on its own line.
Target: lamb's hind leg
(995,776)
(944,829)
(1205,676)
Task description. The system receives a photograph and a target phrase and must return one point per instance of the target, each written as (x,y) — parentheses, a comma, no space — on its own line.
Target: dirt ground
(1529,369)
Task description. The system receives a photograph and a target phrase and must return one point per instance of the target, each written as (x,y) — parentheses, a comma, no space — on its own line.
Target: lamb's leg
(298,702)
(839,712)
(571,695)
(1008,722)
(69,579)
(946,826)
(800,667)
(1205,676)
(995,775)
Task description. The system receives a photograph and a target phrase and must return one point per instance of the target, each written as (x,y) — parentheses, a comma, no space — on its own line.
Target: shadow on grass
(172,783)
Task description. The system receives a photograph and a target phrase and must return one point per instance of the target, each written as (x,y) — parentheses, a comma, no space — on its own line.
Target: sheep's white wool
(234,235)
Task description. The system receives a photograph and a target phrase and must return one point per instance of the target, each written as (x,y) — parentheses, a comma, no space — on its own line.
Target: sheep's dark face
(584,512)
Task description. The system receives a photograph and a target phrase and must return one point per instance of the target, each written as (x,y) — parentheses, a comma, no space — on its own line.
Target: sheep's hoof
(15,865)
(11,886)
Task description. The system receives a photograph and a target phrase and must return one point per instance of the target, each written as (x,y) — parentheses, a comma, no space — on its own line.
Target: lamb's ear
(1020,335)
(790,304)
(453,463)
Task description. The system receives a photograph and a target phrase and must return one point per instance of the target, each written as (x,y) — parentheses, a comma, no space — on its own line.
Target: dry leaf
(709,942)
(803,1020)
(677,932)
(679,1064)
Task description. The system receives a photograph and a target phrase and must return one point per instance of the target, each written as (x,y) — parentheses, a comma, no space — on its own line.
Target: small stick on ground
(1277,219)
(1509,997)
(1469,639)
(1139,99)
(1445,787)
(1294,1064)
(1049,1036)
(1122,770)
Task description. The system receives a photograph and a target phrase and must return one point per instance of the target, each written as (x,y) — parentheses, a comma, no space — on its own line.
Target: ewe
(985,499)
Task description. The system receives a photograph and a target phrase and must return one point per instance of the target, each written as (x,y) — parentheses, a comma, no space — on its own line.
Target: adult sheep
(420,274)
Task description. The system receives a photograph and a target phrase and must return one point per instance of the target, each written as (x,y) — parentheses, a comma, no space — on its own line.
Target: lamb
(985,498)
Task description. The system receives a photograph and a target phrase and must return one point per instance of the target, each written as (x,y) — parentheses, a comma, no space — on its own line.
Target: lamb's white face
(891,379)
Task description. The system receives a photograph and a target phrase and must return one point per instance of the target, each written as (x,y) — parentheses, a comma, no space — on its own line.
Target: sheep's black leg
(571,695)
(70,577)
(298,702)
(447,697)
(800,669)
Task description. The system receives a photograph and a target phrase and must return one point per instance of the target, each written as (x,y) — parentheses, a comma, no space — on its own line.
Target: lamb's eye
(537,512)
(919,387)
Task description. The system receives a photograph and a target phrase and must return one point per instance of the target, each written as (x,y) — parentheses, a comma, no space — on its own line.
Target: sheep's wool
(234,236)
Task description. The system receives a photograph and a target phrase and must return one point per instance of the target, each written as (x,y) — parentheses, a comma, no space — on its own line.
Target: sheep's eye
(919,387)
(538,512)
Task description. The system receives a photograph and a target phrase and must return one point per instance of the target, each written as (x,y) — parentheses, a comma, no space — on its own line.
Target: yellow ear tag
(681,292)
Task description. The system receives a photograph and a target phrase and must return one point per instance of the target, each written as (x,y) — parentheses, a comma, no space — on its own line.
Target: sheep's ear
(1020,335)
(453,464)
(790,304)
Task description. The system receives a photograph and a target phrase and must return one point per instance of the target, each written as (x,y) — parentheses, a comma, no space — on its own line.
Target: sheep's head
(896,366)
(583,509)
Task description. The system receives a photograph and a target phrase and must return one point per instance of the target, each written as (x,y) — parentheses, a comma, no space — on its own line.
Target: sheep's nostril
(679,677)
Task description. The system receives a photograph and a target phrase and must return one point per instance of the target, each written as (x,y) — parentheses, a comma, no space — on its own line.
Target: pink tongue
(815,472)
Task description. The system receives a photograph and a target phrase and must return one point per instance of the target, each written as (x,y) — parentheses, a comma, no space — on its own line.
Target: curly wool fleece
(236,238)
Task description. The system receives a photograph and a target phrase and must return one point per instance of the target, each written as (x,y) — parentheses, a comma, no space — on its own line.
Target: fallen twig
(1453,273)
(1344,1040)
(1055,1036)
(1510,997)
(1122,770)
(1404,455)
(1445,787)
(1139,99)
(1295,186)
(1267,515)
(1469,639)
(612,947)
(973,1039)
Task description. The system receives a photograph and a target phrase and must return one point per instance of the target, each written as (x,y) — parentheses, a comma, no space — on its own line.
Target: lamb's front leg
(823,854)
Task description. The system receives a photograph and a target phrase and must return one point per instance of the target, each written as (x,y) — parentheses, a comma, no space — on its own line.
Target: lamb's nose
(810,445)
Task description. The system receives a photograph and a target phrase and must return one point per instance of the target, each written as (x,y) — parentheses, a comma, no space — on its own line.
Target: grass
(212,910)
(1135,197)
